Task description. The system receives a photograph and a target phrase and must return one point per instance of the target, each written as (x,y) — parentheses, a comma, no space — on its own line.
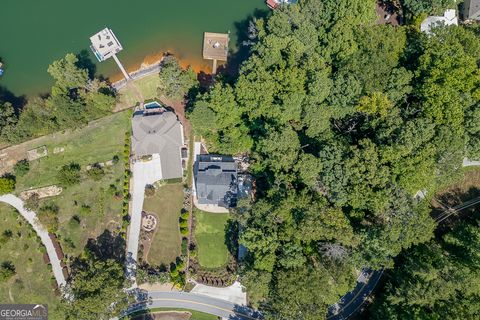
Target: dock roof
(215,46)
(105,44)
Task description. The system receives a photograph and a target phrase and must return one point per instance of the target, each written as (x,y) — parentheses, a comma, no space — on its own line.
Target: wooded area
(345,121)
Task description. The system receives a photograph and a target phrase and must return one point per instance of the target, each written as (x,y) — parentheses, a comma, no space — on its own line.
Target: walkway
(31,217)
(144,172)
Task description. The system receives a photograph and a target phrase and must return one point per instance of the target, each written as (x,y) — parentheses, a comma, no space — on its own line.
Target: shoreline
(153,60)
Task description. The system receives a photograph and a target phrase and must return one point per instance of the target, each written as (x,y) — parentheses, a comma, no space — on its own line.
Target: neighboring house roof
(275,3)
(160,133)
(449,18)
(471,9)
(216,180)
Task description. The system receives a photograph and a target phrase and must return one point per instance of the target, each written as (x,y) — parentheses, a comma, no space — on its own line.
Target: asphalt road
(353,300)
(221,308)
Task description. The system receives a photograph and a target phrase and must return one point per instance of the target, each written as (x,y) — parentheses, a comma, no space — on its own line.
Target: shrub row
(126,182)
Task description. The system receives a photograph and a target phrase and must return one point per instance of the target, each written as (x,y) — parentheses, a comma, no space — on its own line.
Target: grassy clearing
(464,188)
(98,142)
(195,315)
(147,86)
(93,202)
(33,280)
(166,205)
(210,236)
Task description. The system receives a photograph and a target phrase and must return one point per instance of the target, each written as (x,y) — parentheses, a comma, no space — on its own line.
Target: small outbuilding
(216,180)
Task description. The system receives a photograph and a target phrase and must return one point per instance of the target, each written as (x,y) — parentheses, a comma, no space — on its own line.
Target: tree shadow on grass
(231,237)
(107,246)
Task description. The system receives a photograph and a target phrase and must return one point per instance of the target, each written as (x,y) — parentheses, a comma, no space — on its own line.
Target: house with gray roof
(216,180)
(159,132)
(471,9)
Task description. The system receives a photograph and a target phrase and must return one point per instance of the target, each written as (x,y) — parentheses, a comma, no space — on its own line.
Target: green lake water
(33,33)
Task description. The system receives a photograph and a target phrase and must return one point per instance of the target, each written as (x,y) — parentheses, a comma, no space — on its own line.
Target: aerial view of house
(157,131)
(216,180)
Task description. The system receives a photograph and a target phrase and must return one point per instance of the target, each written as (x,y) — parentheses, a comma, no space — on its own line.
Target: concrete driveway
(144,173)
(234,293)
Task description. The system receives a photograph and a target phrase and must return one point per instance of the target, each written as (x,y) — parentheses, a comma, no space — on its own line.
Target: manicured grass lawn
(210,236)
(195,315)
(33,280)
(147,87)
(98,142)
(166,205)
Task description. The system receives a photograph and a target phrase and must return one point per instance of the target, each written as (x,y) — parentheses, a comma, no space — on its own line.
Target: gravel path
(31,217)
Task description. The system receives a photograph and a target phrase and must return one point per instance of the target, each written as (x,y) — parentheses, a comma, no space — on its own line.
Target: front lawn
(210,237)
(33,281)
(88,208)
(166,204)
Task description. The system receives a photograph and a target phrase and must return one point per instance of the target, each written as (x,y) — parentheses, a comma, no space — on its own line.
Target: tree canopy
(435,280)
(74,100)
(175,83)
(345,121)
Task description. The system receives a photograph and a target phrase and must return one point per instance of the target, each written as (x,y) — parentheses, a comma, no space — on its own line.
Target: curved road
(352,301)
(31,217)
(185,300)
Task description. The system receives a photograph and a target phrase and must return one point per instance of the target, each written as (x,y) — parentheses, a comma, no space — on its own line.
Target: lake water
(33,33)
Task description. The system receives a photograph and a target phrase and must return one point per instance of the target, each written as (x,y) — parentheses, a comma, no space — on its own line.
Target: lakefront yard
(86,208)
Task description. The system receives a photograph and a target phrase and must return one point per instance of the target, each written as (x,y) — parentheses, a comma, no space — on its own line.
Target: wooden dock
(215,47)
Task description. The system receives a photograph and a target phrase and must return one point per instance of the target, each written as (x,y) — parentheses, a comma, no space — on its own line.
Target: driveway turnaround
(31,217)
(185,300)
(144,173)
(235,293)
